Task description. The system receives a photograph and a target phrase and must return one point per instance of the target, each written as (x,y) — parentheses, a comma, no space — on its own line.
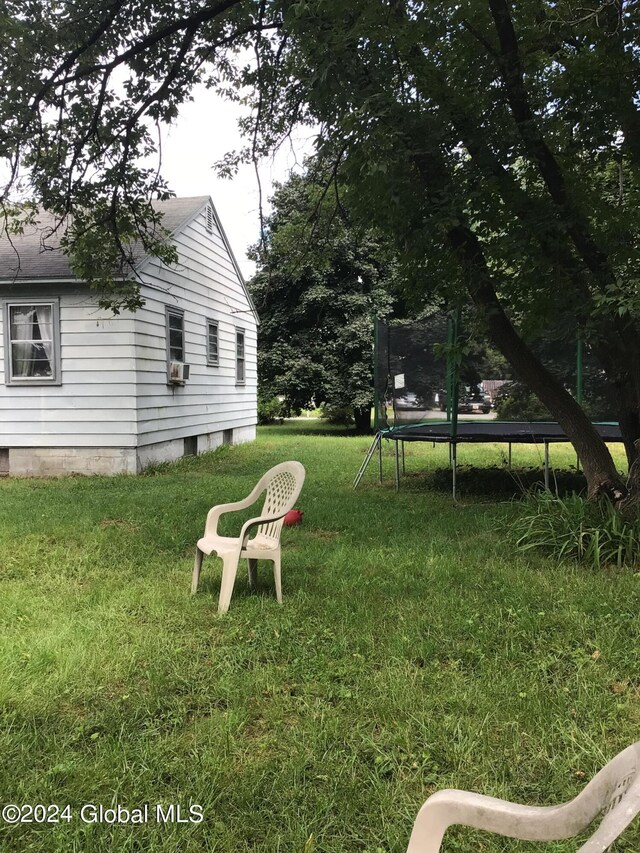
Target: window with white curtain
(31,342)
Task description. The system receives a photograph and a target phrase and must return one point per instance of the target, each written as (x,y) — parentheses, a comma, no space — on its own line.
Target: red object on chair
(293,517)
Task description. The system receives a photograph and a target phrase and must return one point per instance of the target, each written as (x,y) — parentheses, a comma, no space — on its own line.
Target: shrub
(269,410)
(338,415)
(514,402)
(574,528)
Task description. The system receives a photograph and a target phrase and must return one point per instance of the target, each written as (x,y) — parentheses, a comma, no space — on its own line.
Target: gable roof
(35,256)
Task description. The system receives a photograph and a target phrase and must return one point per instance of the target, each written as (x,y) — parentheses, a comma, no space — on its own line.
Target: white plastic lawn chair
(615,791)
(282,484)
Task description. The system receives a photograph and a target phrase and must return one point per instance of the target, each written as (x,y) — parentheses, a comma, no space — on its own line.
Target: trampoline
(464,432)
(437,364)
(514,432)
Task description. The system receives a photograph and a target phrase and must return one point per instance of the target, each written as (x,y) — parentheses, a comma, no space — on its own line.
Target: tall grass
(574,528)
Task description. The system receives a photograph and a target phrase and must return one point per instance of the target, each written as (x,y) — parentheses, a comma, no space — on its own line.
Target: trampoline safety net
(439,366)
(411,370)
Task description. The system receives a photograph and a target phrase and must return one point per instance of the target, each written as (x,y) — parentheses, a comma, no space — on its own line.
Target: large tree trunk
(362,417)
(620,359)
(599,468)
(629,420)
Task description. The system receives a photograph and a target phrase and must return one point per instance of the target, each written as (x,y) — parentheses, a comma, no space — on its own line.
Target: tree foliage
(320,283)
(85,86)
(497,143)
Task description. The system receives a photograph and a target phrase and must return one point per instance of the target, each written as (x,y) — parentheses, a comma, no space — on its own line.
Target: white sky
(206,130)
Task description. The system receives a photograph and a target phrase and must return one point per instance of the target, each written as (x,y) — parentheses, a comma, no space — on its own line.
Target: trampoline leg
(377,440)
(577,462)
(509,455)
(403,468)
(380,462)
(546,465)
(397,468)
(454,471)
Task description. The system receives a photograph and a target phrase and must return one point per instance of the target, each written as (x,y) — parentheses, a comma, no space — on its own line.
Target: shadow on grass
(494,481)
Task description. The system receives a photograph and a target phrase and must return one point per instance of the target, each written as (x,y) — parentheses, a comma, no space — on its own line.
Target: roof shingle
(36,254)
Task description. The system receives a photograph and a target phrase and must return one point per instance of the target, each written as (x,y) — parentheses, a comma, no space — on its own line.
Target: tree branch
(512,73)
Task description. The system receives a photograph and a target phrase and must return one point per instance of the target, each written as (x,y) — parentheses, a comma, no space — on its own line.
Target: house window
(209,219)
(32,347)
(212,342)
(175,335)
(240,365)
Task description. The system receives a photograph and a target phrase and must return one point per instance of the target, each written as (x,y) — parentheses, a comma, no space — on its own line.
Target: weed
(574,528)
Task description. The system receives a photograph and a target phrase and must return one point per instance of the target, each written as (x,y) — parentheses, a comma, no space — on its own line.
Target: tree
(498,144)
(319,285)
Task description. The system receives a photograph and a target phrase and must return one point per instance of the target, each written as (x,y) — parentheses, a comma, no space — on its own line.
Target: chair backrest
(283,483)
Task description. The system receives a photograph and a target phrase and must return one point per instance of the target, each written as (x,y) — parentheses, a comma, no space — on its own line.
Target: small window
(175,335)
(212,342)
(209,219)
(240,365)
(32,343)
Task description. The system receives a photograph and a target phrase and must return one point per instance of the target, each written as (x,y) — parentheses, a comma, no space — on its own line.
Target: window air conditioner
(178,372)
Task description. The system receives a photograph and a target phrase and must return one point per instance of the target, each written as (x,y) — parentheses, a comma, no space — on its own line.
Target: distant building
(492,386)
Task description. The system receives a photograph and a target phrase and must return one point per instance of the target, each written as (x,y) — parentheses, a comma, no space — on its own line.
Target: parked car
(471,399)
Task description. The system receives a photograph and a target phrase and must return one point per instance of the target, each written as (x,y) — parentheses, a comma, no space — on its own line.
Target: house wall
(211,408)
(87,423)
(113,411)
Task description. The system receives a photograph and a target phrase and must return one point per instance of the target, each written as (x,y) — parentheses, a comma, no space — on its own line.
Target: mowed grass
(415,650)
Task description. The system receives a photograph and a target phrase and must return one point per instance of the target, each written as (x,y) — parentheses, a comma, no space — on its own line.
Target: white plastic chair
(615,791)
(282,484)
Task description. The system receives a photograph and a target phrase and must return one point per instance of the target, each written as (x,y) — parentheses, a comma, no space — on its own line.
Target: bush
(338,415)
(269,411)
(574,528)
(514,402)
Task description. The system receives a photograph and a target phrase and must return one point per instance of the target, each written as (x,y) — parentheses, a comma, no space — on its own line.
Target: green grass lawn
(415,650)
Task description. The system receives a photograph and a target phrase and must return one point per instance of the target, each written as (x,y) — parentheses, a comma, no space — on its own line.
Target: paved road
(437,415)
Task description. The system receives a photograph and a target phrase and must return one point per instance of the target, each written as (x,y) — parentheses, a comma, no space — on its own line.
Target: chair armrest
(528,823)
(213,516)
(253,522)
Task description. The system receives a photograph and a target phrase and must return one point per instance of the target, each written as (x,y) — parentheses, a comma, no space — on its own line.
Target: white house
(84,391)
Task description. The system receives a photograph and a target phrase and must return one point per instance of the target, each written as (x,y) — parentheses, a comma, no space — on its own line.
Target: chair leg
(196,571)
(277,577)
(229,571)
(253,573)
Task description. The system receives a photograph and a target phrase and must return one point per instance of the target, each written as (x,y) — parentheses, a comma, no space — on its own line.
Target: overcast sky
(205,130)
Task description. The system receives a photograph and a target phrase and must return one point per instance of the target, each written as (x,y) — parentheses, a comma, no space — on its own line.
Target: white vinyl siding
(114,391)
(205,286)
(95,406)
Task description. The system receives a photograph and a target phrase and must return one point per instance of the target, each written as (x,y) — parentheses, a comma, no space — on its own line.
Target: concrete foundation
(58,461)
(61,461)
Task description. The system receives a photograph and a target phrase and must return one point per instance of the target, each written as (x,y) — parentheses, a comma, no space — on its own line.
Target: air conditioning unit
(178,372)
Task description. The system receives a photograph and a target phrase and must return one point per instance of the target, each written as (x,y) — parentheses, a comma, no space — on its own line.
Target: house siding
(113,411)
(94,405)
(205,286)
